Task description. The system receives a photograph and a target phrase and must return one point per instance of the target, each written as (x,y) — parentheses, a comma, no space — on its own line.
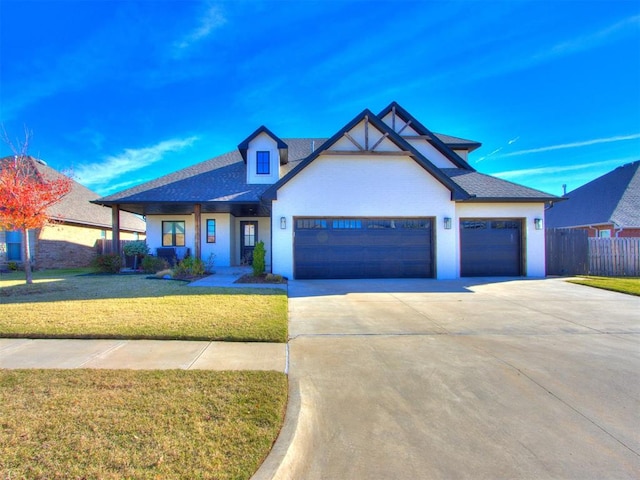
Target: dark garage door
(490,247)
(363,248)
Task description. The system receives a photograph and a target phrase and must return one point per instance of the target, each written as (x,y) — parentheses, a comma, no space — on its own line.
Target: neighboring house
(608,206)
(76,227)
(383,197)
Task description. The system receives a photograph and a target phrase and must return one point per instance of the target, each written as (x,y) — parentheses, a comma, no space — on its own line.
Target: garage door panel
(490,247)
(363,248)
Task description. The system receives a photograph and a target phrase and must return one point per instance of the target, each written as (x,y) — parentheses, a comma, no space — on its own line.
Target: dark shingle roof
(611,198)
(220,179)
(487,188)
(75,207)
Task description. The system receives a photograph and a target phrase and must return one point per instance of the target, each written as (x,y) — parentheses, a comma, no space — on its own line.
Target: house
(76,227)
(608,206)
(383,197)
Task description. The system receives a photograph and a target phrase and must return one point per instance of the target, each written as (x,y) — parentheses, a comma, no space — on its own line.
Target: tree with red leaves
(25,196)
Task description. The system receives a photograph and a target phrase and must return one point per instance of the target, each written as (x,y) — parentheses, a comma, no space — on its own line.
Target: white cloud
(212,19)
(589,41)
(113,167)
(585,143)
(530,172)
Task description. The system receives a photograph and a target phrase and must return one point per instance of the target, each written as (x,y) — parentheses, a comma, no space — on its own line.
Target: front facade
(383,197)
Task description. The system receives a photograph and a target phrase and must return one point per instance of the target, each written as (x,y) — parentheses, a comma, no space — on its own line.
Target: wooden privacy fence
(572,252)
(105,246)
(614,257)
(567,251)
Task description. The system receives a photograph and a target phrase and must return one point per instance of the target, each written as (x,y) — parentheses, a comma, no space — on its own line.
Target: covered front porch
(226,233)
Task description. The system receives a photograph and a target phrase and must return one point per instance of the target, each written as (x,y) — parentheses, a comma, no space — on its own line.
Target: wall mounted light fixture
(537,222)
(447,223)
(283,223)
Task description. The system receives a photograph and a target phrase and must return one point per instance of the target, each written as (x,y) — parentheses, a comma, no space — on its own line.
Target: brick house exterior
(608,206)
(71,238)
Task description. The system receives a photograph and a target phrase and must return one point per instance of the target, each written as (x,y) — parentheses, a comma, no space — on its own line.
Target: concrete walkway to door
(408,379)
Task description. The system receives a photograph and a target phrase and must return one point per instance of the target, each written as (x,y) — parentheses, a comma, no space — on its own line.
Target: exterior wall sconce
(283,223)
(447,223)
(537,222)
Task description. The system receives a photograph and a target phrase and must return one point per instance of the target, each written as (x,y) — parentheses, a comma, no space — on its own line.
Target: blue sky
(121,92)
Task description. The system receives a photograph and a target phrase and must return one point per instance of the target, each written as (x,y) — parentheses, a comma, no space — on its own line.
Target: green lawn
(108,424)
(63,304)
(629,285)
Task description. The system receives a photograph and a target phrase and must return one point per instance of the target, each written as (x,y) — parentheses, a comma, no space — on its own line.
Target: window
(346,223)
(604,233)
(173,234)
(14,245)
(211,231)
(311,223)
(263,163)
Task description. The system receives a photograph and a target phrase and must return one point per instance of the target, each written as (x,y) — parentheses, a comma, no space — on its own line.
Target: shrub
(109,263)
(258,259)
(208,266)
(189,267)
(13,266)
(152,264)
(274,278)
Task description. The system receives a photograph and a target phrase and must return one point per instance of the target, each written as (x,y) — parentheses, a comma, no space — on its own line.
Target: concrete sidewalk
(141,354)
(227,276)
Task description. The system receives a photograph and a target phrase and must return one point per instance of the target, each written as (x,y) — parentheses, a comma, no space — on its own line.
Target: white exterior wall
(430,152)
(364,186)
(221,249)
(263,143)
(534,239)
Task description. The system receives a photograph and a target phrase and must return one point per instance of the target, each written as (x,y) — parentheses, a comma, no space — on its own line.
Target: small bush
(109,263)
(258,259)
(154,264)
(13,266)
(273,278)
(189,267)
(208,266)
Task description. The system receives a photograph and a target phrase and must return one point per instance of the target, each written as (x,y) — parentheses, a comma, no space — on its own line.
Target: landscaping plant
(136,249)
(258,259)
(109,263)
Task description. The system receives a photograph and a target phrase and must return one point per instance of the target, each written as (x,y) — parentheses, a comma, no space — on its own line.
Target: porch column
(115,228)
(198,222)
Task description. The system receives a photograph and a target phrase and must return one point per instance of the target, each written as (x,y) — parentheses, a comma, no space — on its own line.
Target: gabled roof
(457,193)
(282,147)
(76,206)
(612,198)
(432,138)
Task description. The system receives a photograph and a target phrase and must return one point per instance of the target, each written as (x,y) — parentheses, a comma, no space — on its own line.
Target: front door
(248,239)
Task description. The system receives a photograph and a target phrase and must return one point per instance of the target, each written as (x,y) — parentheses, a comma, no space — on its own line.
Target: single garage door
(363,248)
(490,247)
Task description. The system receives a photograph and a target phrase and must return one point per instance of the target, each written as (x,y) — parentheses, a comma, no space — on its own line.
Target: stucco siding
(364,186)
(263,143)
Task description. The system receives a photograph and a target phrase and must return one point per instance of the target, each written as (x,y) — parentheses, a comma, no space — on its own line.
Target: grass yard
(63,304)
(629,285)
(109,424)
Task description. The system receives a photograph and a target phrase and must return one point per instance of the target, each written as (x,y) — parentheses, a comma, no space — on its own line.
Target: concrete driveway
(424,379)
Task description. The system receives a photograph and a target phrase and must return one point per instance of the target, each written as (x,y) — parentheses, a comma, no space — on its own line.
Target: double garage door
(402,248)
(363,248)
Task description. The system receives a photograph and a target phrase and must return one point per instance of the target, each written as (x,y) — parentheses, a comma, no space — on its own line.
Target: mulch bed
(264,278)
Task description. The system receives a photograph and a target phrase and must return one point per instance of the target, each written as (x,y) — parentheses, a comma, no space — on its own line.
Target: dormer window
(263,163)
